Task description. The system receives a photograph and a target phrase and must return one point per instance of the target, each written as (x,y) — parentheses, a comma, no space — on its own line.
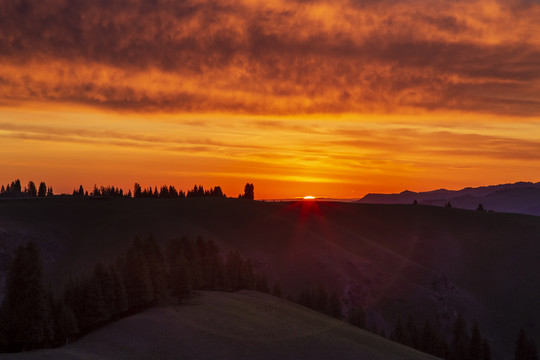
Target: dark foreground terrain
(395,261)
(217,325)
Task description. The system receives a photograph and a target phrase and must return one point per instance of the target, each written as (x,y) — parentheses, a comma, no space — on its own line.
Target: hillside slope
(244,325)
(394,260)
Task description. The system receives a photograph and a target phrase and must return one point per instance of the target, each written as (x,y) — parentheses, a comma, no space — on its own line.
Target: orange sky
(328,98)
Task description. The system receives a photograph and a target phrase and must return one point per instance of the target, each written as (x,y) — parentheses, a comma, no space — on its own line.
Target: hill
(215,325)
(394,260)
(520,197)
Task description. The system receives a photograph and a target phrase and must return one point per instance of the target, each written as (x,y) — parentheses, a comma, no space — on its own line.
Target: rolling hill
(216,325)
(394,260)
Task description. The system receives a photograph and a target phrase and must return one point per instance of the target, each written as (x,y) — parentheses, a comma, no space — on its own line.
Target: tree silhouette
(412,337)
(92,311)
(65,323)
(460,340)
(16,186)
(276,289)
(136,277)
(525,348)
(262,283)
(486,350)
(182,278)
(476,344)
(335,307)
(249,192)
(398,335)
(156,265)
(137,191)
(357,317)
(427,338)
(31,189)
(42,191)
(25,306)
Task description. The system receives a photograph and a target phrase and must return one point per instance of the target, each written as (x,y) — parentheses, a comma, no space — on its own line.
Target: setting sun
(309,197)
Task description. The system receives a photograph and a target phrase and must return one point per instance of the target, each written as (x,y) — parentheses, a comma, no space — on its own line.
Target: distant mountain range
(520,197)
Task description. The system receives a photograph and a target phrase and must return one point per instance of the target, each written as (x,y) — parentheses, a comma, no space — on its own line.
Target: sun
(309,197)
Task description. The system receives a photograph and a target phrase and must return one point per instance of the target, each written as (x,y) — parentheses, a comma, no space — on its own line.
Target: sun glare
(309,197)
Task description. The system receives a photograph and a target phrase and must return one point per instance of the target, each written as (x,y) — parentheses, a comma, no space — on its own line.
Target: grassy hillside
(394,260)
(244,325)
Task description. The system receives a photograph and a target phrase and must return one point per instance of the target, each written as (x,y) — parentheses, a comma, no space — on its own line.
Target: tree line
(463,343)
(15,189)
(165,191)
(32,317)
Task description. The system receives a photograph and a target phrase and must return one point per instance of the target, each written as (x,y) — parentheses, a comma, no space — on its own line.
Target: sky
(330,98)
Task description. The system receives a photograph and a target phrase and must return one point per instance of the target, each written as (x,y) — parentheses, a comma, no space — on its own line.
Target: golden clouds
(275,57)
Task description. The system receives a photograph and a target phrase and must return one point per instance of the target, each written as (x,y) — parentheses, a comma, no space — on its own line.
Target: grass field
(384,257)
(216,325)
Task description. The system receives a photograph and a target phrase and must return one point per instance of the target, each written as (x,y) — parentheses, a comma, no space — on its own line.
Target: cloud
(273,58)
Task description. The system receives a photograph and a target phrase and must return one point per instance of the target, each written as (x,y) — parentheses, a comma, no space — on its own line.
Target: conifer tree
(336,309)
(31,189)
(234,271)
(42,191)
(525,348)
(16,186)
(262,283)
(136,277)
(65,323)
(25,307)
(182,281)
(106,284)
(92,311)
(276,289)
(156,265)
(411,334)
(486,350)
(357,317)
(476,344)
(305,298)
(137,191)
(460,340)
(120,297)
(427,338)
(398,334)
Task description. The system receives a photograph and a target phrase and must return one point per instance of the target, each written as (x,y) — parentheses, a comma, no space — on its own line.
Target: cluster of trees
(200,192)
(464,343)
(171,192)
(32,317)
(249,192)
(319,300)
(15,189)
(108,191)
